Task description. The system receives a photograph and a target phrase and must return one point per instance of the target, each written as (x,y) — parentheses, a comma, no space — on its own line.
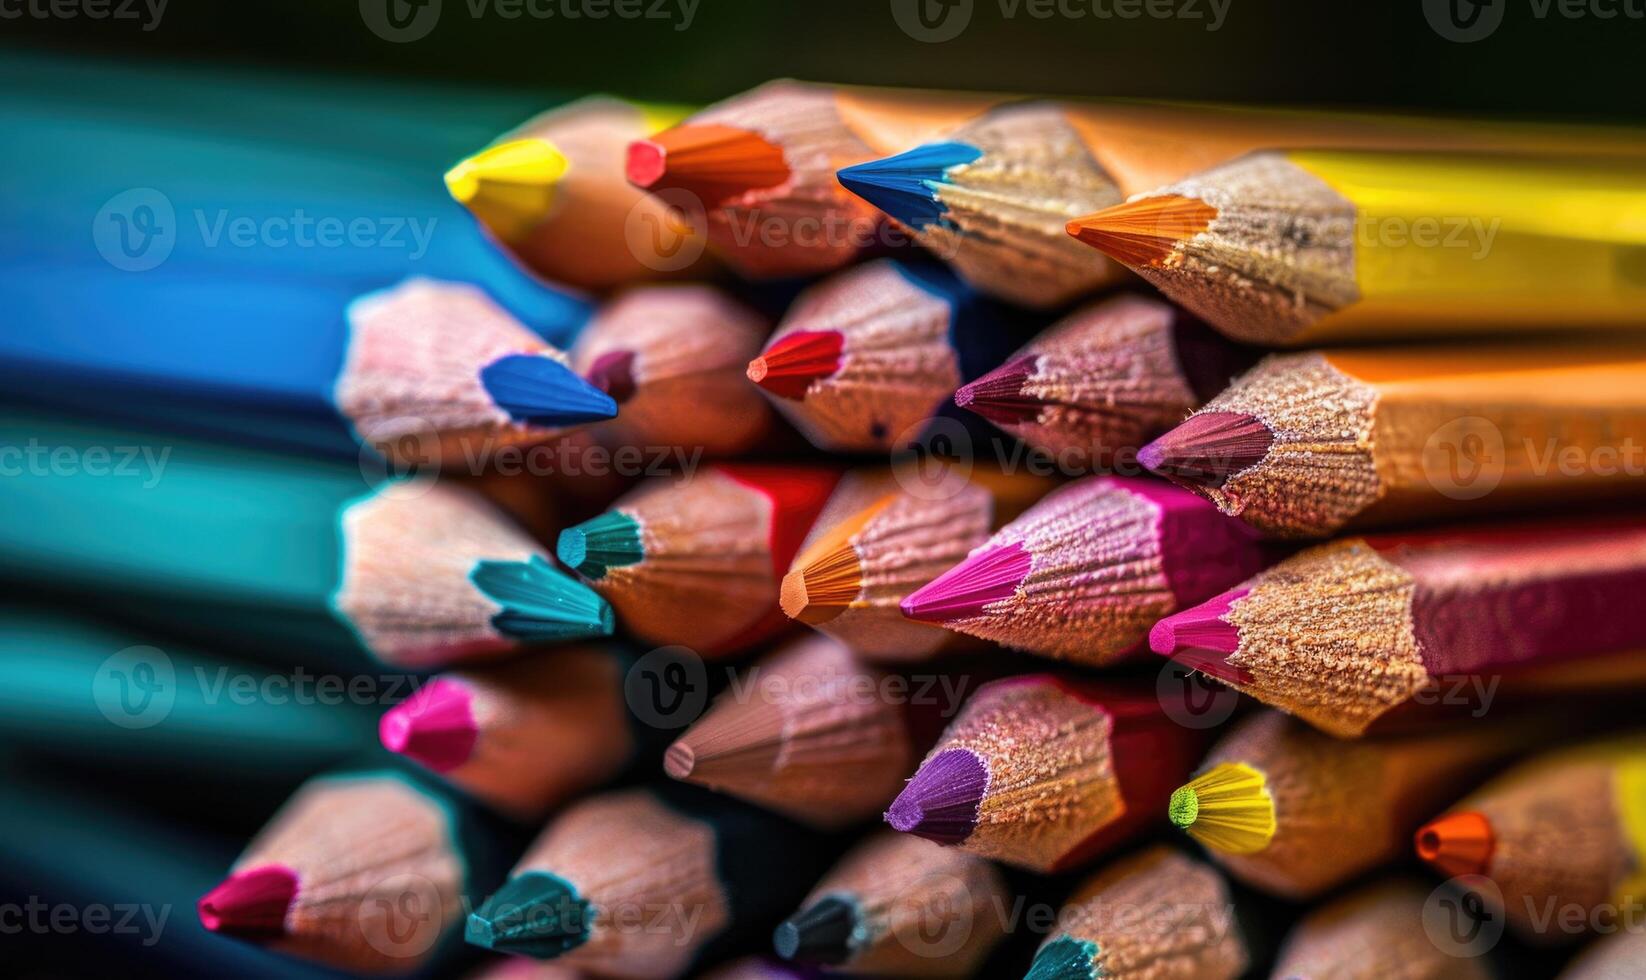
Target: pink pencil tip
(1208,448)
(250,903)
(985,577)
(435,726)
(998,396)
(1201,638)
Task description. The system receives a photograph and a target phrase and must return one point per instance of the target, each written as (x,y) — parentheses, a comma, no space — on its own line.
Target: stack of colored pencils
(649,629)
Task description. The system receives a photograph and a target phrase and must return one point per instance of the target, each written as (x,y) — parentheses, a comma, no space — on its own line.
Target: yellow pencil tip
(510,186)
(1227,808)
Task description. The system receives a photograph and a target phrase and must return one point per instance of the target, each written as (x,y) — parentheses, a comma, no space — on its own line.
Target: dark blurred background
(1537,60)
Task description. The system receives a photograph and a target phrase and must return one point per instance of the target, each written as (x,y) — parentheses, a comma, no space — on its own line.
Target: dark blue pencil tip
(905,186)
(534,914)
(540,391)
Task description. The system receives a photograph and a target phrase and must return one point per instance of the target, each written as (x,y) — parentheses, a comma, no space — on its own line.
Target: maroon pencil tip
(998,396)
(1201,638)
(613,373)
(250,903)
(1208,448)
(435,726)
(985,577)
(940,803)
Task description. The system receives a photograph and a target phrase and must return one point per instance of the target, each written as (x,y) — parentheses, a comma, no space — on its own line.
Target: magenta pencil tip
(1208,448)
(998,396)
(435,726)
(250,903)
(1201,638)
(940,803)
(985,577)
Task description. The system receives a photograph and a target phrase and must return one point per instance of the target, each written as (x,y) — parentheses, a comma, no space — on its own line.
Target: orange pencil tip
(1457,843)
(1146,231)
(712,161)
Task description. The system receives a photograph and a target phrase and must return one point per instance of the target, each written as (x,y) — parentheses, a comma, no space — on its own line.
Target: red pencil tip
(998,396)
(1457,843)
(711,161)
(613,373)
(1200,638)
(1208,448)
(793,362)
(435,726)
(250,903)
(985,577)
(941,800)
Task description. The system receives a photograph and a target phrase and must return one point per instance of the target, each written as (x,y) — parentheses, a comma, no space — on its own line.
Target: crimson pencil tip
(940,802)
(986,576)
(250,903)
(1457,843)
(793,362)
(713,162)
(1201,638)
(998,396)
(435,726)
(1208,448)
(613,373)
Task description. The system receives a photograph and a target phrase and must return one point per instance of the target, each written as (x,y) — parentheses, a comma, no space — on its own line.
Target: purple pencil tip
(940,803)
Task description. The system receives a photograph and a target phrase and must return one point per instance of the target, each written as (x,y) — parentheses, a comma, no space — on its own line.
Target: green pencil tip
(611,540)
(1065,958)
(540,602)
(534,914)
(1184,807)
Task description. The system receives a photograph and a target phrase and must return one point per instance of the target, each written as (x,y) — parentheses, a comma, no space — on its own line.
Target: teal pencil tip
(540,602)
(906,186)
(1065,958)
(610,540)
(534,914)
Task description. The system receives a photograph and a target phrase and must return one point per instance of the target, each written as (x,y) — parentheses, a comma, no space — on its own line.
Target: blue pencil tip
(905,186)
(541,391)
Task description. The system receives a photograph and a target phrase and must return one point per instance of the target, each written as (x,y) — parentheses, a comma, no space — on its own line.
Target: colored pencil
(993,195)
(1312,443)
(111,698)
(365,871)
(1084,573)
(1375,932)
(525,735)
(1096,385)
(1562,832)
(552,190)
(876,542)
(286,554)
(1044,773)
(1296,812)
(1345,632)
(1155,913)
(698,562)
(864,359)
(673,358)
(759,968)
(1327,246)
(294,363)
(700,872)
(873,912)
(759,168)
(808,732)
(1615,956)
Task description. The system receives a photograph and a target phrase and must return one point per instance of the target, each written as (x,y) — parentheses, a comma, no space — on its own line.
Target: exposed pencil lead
(613,373)
(541,391)
(1065,958)
(540,602)
(711,161)
(1227,808)
(903,185)
(1457,843)
(998,396)
(1208,448)
(534,914)
(990,575)
(941,801)
(790,365)
(824,588)
(820,933)
(250,903)
(435,726)
(508,186)
(1145,231)
(609,540)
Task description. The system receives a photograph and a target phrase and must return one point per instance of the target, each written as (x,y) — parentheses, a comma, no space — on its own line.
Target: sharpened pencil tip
(250,903)
(538,390)
(540,602)
(1146,231)
(534,914)
(679,760)
(609,540)
(789,366)
(824,587)
(1227,808)
(819,933)
(1065,958)
(998,396)
(1202,638)
(435,726)
(1457,843)
(510,186)
(1206,449)
(710,161)
(992,574)
(613,373)
(940,802)
(905,186)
